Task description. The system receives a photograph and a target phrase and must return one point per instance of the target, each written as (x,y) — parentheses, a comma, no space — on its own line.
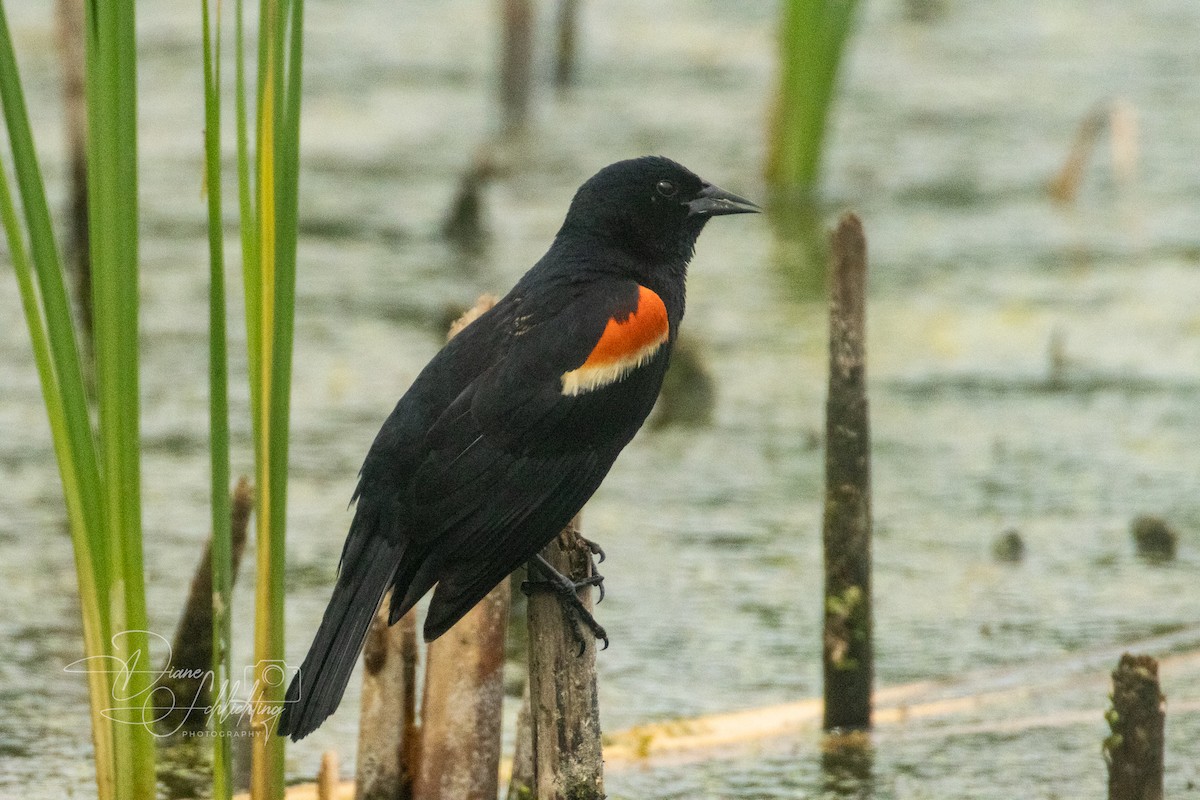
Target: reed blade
(218,381)
(277,172)
(111,90)
(813,38)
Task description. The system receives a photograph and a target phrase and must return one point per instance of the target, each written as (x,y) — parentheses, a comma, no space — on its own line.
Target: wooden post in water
(464,688)
(564,710)
(847,650)
(516,62)
(327,776)
(388,734)
(191,649)
(455,750)
(461,710)
(1134,750)
(567,39)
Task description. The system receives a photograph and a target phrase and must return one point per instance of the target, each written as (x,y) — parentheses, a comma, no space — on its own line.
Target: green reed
(218,406)
(99,464)
(100,467)
(269,276)
(813,37)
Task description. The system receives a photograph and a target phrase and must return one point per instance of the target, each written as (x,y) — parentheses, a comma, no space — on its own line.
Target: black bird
(513,425)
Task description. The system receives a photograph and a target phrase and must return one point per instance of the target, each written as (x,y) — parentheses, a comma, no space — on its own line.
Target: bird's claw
(582,616)
(595,549)
(595,579)
(597,557)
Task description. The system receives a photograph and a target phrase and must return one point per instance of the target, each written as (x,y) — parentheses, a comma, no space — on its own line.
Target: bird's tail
(317,688)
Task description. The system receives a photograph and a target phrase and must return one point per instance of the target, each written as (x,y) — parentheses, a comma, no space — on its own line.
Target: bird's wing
(515,456)
(487,556)
(571,382)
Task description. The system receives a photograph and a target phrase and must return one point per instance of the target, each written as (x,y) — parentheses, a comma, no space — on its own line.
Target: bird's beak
(713,201)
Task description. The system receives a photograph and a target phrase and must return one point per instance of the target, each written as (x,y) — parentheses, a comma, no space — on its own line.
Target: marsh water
(1032,367)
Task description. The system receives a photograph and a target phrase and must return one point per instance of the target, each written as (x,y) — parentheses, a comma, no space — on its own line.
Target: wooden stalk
(567,760)
(1064,187)
(566,39)
(327,776)
(461,710)
(516,62)
(459,740)
(388,734)
(192,649)
(847,651)
(1134,750)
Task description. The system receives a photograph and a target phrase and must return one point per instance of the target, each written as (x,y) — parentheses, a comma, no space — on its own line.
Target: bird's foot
(552,585)
(596,556)
(566,589)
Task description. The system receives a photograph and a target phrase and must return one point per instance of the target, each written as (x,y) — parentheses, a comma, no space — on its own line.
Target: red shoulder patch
(625,344)
(647,325)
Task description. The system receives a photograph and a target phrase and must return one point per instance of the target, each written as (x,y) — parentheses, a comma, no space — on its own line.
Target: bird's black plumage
(513,425)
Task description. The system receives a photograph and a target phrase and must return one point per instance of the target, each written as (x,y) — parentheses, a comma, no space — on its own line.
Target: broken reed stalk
(1134,750)
(847,650)
(567,38)
(564,709)
(1121,120)
(1064,187)
(388,735)
(463,223)
(327,777)
(516,62)
(461,711)
(189,673)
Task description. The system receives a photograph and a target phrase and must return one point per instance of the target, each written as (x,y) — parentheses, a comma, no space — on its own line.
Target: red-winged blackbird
(511,427)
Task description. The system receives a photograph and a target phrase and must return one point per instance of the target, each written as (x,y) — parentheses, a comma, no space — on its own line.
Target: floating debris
(1120,117)
(1154,538)
(1009,547)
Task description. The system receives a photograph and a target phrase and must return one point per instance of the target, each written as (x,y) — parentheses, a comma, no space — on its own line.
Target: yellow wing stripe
(625,345)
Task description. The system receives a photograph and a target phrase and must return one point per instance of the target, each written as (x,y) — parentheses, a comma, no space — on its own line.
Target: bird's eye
(666,188)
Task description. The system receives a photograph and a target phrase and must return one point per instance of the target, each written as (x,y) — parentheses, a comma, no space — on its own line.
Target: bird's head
(650,206)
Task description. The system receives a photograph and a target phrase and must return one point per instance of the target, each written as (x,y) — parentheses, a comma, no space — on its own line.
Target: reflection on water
(800,246)
(946,133)
(847,761)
